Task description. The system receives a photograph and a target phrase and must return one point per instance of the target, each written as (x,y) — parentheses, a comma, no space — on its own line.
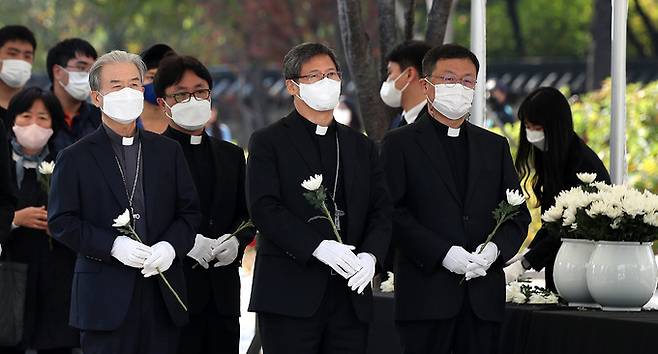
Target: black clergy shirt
(456,149)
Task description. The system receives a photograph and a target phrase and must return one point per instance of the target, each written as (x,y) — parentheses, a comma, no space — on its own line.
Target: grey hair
(301,53)
(115,56)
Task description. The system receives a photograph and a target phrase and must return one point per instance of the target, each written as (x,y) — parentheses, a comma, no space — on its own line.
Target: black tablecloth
(544,329)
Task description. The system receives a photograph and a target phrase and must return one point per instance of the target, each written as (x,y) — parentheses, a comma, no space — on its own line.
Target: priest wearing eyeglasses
(446,176)
(311,287)
(183,86)
(119,301)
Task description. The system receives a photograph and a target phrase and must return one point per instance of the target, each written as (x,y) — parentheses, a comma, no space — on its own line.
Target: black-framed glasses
(199,95)
(451,80)
(315,76)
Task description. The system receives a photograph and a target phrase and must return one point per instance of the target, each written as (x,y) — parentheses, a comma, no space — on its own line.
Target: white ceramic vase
(570,269)
(622,276)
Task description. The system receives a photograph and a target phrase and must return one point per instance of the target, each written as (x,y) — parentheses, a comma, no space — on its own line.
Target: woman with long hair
(35,116)
(549,156)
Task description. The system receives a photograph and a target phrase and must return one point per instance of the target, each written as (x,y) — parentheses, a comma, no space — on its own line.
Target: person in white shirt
(403,87)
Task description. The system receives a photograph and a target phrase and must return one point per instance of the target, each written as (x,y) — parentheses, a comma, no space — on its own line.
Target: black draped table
(544,329)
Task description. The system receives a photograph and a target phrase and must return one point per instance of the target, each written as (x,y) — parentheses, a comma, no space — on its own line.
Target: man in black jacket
(183,85)
(311,291)
(118,299)
(446,176)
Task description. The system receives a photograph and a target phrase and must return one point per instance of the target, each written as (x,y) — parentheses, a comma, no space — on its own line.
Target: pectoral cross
(337,214)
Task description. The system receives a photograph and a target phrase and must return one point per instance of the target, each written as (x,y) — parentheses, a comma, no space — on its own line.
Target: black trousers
(147,329)
(210,333)
(40,351)
(463,334)
(333,329)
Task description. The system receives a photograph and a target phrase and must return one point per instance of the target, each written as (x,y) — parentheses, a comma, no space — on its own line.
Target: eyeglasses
(182,97)
(316,76)
(452,80)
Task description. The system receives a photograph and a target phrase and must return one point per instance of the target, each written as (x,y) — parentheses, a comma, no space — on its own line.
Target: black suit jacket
(229,208)
(288,280)
(429,217)
(544,247)
(87,193)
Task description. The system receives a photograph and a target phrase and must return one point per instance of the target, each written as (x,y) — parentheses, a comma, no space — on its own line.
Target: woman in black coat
(549,156)
(36,115)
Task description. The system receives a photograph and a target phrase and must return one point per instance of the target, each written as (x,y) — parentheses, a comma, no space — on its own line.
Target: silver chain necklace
(134,187)
(337,212)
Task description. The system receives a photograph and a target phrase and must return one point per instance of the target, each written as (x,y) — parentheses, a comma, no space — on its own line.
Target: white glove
(202,250)
(514,271)
(457,260)
(226,250)
(474,270)
(339,257)
(363,277)
(160,260)
(489,254)
(130,252)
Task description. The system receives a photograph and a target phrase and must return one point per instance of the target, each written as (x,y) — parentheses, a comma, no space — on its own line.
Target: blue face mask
(149,94)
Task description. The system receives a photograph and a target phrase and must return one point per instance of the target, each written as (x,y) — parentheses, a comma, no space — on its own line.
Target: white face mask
(536,138)
(320,96)
(343,115)
(32,137)
(78,86)
(15,72)
(452,100)
(391,96)
(191,115)
(123,106)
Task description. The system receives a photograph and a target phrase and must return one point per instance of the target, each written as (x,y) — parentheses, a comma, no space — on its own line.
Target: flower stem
(331,222)
(172,290)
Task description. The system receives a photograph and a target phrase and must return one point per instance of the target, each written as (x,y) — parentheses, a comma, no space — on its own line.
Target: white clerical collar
(127,141)
(320,130)
(412,114)
(195,139)
(453,132)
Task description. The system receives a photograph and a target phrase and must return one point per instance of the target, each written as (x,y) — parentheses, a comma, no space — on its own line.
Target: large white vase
(570,269)
(622,276)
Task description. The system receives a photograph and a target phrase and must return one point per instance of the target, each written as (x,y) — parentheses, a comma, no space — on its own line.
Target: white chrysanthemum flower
(46,168)
(312,183)
(651,219)
(122,220)
(553,214)
(569,216)
(514,197)
(586,178)
(388,286)
(536,299)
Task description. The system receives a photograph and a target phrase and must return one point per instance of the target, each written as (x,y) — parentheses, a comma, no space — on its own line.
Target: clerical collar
(318,129)
(184,138)
(121,140)
(446,130)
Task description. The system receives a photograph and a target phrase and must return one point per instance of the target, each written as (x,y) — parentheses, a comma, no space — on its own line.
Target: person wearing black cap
(35,116)
(152,118)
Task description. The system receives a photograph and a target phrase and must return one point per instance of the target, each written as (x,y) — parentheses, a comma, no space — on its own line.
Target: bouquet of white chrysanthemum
(598,211)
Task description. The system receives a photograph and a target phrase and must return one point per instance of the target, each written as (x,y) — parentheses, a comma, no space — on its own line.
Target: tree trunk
(599,56)
(388,31)
(409,20)
(437,19)
(636,43)
(513,13)
(363,68)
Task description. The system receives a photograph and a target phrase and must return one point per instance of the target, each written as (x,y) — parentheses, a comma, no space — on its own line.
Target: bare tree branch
(646,20)
(409,19)
(437,19)
(363,68)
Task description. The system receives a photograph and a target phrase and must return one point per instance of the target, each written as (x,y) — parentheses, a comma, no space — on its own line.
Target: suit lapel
(150,181)
(429,142)
(219,174)
(303,144)
(105,158)
(474,160)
